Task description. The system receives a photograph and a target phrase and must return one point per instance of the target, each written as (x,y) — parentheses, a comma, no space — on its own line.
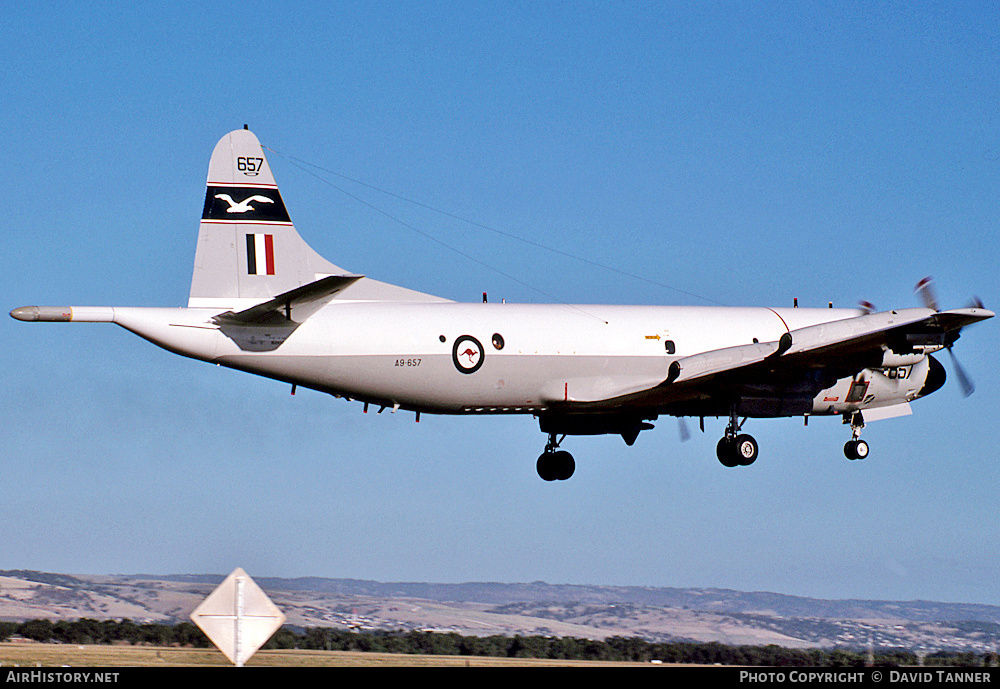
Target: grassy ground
(27,655)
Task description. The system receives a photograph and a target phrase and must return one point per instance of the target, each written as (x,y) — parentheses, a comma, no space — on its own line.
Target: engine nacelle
(903,379)
(892,360)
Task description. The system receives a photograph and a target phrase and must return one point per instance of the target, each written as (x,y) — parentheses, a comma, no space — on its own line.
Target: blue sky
(727,153)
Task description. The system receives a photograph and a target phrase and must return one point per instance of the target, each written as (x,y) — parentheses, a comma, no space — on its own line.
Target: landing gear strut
(735,448)
(856,448)
(555,465)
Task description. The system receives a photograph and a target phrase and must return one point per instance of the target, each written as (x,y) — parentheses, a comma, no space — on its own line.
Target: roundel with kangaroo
(468,354)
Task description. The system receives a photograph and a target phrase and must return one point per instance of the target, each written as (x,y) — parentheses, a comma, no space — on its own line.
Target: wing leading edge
(807,359)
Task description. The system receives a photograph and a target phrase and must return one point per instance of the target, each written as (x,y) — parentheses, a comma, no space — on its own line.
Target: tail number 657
(250,167)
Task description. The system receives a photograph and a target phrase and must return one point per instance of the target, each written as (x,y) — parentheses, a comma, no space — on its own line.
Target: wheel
(861,449)
(726,452)
(563,464)
(856,449)
(546,467)
(746,449)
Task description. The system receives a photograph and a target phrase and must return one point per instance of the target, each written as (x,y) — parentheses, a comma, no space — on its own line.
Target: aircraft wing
(809,358)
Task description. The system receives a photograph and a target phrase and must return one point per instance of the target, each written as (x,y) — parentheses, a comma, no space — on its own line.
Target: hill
(597,612)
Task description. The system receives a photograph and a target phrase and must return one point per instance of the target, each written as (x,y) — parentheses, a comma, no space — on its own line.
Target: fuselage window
(669,345)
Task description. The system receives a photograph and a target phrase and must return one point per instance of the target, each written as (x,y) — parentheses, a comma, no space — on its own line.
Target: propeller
(963,378)
(682,427)
(867,307)
(925,288)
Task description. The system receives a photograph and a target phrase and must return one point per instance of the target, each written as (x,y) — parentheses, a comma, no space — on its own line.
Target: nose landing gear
(555,465)
(856,448)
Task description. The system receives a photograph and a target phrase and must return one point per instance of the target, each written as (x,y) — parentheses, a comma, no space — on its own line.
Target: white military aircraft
(264,302)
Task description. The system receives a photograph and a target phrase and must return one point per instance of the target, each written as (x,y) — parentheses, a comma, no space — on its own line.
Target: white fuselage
(424,356)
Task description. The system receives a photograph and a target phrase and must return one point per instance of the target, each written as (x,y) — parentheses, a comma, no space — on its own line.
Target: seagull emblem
(243,206)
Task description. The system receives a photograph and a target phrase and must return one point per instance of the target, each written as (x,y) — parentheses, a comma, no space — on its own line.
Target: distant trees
(87,631)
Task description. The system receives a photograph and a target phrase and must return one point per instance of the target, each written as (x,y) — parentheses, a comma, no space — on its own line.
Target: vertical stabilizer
(248,249)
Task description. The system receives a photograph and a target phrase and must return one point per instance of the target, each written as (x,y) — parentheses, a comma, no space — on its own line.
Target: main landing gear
(555,465)
(856,448)
(736,449)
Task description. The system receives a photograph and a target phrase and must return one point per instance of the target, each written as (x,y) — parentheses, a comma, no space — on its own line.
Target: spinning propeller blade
(963,378)
(925,288)
(926,291)
(682,427)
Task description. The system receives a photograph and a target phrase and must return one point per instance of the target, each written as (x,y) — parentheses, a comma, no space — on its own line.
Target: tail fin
(248,249)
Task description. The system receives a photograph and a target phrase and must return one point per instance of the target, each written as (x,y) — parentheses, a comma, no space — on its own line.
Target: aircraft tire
(565,465)
(546,468)
(726,452)
(555,466)
(856,449)
(745,449)
(861,449)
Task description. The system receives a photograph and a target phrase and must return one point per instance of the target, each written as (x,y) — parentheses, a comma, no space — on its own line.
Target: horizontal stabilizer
(294,305)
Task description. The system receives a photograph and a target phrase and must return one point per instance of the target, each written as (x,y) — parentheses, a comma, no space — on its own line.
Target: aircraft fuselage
(456,358)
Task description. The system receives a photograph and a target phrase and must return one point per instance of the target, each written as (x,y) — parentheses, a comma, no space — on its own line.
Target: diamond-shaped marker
(238,617)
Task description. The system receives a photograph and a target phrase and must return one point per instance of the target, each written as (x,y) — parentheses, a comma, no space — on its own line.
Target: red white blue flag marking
(260,254)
